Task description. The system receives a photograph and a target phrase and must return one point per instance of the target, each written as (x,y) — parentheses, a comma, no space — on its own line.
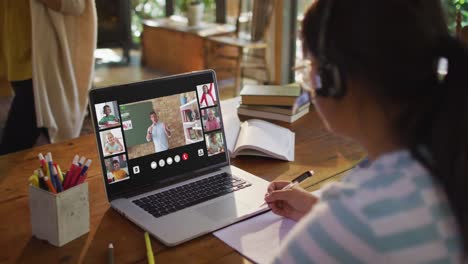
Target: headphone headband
(323,31)
(331,79)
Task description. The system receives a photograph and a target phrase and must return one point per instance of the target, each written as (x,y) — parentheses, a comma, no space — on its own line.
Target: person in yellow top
(15,67)
(118,173)
(46,54)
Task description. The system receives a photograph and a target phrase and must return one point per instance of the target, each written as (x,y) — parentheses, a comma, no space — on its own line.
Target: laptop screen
(158,131)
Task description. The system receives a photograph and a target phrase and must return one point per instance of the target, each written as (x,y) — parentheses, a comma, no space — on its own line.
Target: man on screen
(158,132)
(118,173)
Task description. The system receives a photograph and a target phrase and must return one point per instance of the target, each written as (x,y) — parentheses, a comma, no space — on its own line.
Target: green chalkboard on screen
(135,122)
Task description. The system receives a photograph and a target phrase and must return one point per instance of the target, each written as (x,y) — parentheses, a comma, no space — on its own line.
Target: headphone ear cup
(330,82)
(338,89)
(321,82)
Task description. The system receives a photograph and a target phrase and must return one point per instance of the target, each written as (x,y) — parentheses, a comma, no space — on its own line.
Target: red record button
(185,156)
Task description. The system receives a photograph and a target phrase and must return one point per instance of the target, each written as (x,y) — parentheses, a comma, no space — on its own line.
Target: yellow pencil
(34,180)
(149,250)
(60,174)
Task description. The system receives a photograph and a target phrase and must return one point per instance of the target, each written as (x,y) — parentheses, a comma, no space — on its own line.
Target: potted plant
(195,10)
(454,8)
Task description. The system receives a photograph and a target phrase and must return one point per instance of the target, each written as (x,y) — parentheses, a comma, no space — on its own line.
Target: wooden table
(170,46)
(315,149)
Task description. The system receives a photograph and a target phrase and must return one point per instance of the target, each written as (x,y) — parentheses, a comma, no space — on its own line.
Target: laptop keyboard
(176,199)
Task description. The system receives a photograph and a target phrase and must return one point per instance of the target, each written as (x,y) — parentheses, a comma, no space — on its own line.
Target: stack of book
(275,102)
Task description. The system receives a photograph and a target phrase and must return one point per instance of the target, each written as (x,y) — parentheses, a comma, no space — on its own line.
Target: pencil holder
(59,218)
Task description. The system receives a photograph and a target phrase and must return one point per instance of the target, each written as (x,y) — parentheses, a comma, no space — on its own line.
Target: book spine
(268,100)
(272,116)
(267,115)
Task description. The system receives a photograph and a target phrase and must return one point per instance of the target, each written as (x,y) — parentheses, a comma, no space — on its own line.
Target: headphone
(330,81)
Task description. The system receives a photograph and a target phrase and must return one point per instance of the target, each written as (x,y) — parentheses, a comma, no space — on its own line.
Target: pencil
(149,250)
(50,185)
(59,172)
(34,180)
(42,183)
(110,253)
(296,181)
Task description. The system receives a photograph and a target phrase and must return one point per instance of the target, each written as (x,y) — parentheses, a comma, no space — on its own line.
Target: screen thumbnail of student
(211,120)
(206,95)
(112,141)
(214,143)
(157,125)
(117,169)
(107,114)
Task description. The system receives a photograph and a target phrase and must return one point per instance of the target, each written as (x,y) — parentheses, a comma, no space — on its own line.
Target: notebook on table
(165,163)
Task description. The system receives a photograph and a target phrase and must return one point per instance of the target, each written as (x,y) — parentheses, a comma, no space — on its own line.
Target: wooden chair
(249,48)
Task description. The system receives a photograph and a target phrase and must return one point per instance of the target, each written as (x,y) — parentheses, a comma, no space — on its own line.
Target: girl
(108,120)
(387,74)
(212,122)
(207,96)
(113,144)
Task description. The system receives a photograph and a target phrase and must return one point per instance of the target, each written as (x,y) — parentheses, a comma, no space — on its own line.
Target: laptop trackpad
(223,209)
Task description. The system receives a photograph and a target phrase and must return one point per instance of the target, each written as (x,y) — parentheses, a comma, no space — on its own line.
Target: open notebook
(256,137)
(258,238)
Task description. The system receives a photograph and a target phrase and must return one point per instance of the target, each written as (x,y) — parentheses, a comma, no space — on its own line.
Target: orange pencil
(49,184)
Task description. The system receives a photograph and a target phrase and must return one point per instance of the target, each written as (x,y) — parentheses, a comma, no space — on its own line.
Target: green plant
(182,5)
(451,9)
(148,9)
(144,9)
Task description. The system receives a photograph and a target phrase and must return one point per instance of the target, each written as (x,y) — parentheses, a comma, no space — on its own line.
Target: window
(302,6)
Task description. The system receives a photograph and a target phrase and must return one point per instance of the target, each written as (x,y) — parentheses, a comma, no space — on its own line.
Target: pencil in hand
(295,182)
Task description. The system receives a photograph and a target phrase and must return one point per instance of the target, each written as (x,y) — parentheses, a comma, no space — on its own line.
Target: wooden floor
(107,74)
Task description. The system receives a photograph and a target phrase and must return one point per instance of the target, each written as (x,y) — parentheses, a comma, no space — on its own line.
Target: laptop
(164,157)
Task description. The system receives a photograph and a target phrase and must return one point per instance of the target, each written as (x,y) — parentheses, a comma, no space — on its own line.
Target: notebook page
(259,134)
(230,121)
(258,238)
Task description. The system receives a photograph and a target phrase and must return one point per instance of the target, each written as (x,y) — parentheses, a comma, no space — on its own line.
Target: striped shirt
(390,212)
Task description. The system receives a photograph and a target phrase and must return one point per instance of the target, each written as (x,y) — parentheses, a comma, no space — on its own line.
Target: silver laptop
(164,157)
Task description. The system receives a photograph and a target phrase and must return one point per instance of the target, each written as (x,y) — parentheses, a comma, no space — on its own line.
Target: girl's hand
(293,203)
